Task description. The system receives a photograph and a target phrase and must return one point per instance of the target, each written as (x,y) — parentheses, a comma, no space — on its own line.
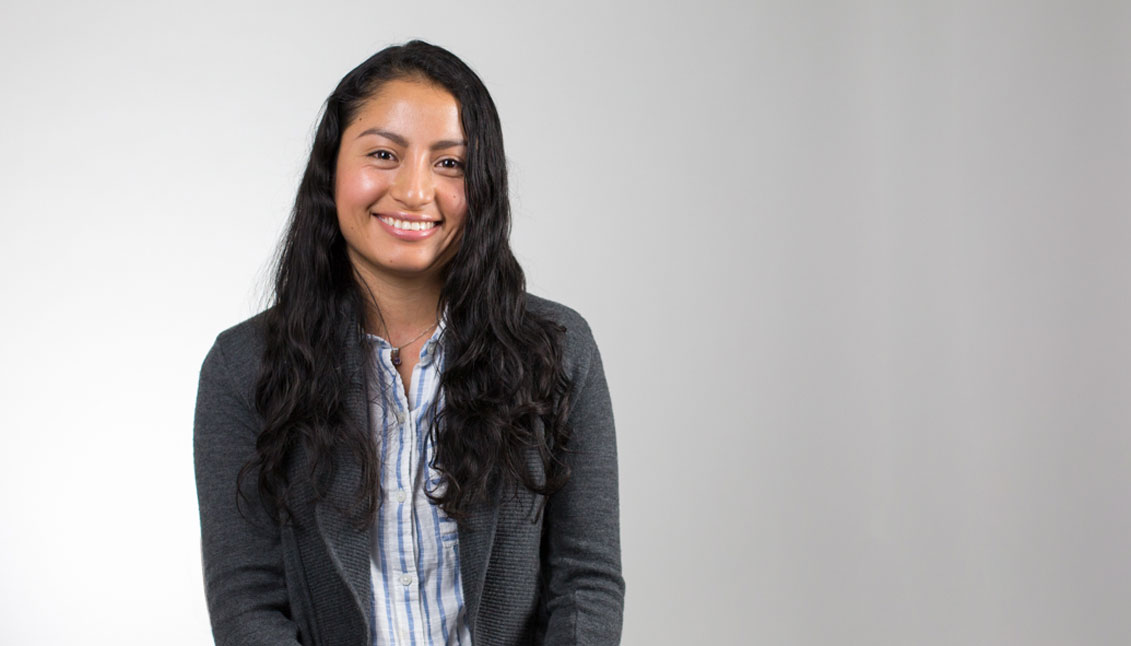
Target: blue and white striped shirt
(415,552)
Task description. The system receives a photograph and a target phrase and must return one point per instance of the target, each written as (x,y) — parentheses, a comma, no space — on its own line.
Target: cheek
(455,204)
(355,190)
(461,213)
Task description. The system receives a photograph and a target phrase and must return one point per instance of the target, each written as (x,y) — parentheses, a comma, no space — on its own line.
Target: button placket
(409,539)
(413,469)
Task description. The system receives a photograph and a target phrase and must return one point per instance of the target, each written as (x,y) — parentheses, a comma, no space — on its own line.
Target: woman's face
(399,186)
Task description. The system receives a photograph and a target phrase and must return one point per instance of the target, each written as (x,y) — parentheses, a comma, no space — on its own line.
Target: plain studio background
(860,273)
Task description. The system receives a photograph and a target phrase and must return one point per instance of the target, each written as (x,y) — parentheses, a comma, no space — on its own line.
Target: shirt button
(401,495)
(406,579)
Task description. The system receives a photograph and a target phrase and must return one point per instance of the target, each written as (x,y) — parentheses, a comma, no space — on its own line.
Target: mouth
(407,225)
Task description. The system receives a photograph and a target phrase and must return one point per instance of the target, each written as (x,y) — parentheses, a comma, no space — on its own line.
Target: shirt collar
(430,348)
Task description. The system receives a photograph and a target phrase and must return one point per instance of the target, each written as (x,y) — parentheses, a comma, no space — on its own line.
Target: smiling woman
(406,447)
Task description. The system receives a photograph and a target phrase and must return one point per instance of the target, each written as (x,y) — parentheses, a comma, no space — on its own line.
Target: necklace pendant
(396,356)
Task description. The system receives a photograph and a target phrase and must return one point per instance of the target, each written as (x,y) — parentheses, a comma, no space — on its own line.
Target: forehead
(413,105)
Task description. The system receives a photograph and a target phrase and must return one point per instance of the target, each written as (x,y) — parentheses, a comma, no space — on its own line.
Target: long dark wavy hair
(504,385)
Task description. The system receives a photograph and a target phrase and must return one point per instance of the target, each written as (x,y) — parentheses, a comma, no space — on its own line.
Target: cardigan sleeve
(585,590)
(243,565)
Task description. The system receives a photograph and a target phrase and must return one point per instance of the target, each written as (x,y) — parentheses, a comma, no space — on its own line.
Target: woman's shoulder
(237,351)
(554,311)
(577,328)
(247,335)
(580,348)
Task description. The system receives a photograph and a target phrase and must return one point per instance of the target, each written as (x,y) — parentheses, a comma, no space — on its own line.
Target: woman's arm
(243,564)
(585,595)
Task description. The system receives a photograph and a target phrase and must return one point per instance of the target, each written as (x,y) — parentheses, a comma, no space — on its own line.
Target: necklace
(397,349)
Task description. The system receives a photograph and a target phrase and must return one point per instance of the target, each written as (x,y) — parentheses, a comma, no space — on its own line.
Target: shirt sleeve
(243,565)
(585,592)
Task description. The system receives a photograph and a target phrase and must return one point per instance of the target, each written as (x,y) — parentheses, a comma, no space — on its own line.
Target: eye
(383,155)
(451,165)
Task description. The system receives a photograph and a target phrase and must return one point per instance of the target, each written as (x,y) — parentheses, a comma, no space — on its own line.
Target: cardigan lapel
(347,545)
(476,537)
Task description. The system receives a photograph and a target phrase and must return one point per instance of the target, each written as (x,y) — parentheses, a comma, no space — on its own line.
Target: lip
(404,234)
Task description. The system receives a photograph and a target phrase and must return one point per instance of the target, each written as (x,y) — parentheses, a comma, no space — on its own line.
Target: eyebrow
(401,141)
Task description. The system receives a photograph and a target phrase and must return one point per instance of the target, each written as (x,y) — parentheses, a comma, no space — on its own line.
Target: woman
(407,448)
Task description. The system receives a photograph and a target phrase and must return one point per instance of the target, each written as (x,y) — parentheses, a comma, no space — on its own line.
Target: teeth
(406,225)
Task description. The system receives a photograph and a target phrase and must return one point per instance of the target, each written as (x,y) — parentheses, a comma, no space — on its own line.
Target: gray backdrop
(859,270)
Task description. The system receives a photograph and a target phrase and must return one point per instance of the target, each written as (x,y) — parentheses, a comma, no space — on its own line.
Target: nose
(413,186)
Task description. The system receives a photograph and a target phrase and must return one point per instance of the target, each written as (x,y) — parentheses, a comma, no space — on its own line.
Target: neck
(399,310)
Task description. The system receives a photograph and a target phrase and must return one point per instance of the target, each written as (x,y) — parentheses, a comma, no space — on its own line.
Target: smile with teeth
(406,224)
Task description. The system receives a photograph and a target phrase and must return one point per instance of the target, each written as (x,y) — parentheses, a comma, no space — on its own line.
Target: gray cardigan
(554,579)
